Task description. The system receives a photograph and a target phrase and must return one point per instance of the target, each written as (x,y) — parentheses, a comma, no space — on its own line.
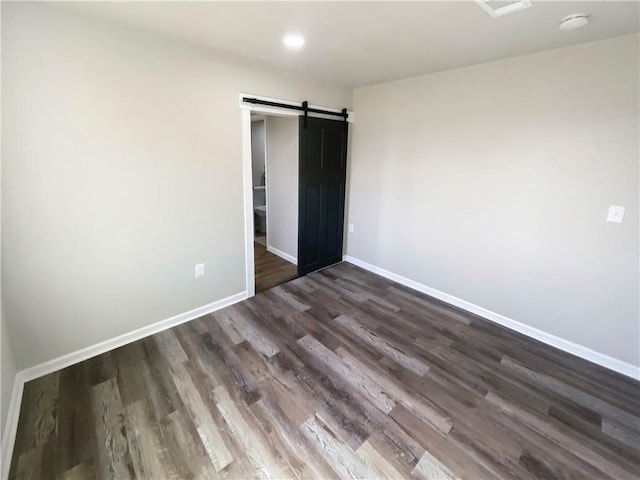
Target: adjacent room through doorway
(274,163)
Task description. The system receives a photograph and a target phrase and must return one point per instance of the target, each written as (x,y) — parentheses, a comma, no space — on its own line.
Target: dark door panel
(323,161)
(311,225)
(335,222)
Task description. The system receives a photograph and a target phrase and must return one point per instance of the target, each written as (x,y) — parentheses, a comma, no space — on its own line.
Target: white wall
(492,183)
(7,363)
(122,170)
(258,145)
(282,184)
(258,153)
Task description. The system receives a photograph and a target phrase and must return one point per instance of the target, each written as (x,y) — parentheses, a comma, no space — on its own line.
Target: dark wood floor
(271,270)
(337,374)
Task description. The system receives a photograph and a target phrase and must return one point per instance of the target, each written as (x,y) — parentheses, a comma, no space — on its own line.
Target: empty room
(320,240)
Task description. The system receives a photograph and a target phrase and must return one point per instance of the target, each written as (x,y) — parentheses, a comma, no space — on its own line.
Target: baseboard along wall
(31,373)
(560,343)
(283,255)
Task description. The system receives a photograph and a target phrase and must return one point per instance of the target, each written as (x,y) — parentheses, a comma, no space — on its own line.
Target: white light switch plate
(616,214)
(351,228)
(200,270)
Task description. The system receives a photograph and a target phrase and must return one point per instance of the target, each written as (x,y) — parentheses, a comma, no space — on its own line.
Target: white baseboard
(26,375)
(102,347)
(557,342)
(281,254)
(11,426)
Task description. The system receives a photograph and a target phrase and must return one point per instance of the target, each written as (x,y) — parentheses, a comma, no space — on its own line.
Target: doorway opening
(274,175)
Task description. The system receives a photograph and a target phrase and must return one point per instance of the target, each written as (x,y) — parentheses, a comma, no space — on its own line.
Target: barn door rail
(303,107)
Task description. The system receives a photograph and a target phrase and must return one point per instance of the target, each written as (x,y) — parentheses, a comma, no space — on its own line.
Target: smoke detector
(497,8)
(571,22)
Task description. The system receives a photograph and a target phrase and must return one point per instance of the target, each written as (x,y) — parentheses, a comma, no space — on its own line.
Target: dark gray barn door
(323,170)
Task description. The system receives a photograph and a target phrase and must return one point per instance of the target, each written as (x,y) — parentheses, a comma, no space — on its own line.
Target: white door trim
(247,180)
(247,185)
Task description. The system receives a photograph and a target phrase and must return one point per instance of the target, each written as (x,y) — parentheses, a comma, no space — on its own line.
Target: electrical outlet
(616,214)
(200,271)
(351,228)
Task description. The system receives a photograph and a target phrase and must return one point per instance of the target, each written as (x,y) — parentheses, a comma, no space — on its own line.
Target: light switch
(616,214)
(351,228)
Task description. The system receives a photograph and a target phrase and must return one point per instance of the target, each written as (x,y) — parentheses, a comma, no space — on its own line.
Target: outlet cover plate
(616,214)
(200,271)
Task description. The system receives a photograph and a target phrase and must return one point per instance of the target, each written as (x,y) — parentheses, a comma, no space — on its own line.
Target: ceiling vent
(497,8)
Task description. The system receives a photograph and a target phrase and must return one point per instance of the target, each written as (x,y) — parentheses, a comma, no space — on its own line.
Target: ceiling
(362,43)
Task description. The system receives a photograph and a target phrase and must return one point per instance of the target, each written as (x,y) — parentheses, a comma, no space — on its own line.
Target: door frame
(247,180)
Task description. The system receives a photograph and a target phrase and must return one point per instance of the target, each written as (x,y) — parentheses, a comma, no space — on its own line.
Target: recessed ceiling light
(293,41)
(571,22)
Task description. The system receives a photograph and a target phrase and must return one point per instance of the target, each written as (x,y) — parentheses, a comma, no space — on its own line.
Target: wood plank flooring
(270,269)
(340,374)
